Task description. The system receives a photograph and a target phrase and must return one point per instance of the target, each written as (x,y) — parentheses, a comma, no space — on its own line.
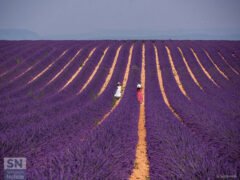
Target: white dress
(118,92)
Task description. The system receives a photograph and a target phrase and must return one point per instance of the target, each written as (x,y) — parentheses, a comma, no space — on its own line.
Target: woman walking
(139,93)
(118,92)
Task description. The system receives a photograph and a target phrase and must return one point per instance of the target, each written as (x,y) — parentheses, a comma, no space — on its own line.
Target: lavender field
(57,108)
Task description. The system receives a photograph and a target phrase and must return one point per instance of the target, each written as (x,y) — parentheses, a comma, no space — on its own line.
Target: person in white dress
(118,92)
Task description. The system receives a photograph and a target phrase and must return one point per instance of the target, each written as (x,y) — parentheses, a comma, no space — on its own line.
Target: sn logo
(14,163)
(15,169)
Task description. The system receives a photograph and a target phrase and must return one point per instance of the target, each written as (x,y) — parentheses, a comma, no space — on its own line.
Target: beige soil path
(224,59)
(41,73)
(219,70)
(110,72)
(141,165)
(13,69)
(160,81)
(189,70)
(175,74)
(203,69)
(124,83)
(29,68)
(94,72)
(60,72)
(78,71)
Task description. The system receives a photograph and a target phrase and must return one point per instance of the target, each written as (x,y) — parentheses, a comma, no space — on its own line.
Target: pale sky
(80,16)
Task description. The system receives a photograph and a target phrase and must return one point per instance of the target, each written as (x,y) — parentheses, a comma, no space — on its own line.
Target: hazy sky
(79,16)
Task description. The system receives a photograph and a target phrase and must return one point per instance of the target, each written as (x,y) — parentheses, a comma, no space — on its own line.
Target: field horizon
(108,34)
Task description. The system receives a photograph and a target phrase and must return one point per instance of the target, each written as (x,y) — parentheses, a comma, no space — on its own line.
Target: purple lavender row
(229,47)
(71,130)
(24,107)
(230,55)
(29,110)
(234,80)
(233,47)
(18,91)
(5,49)
(217,77)
(227,87)
(19,57)
(16,100)
(23,46)
(29,45)
(173,151)
(215,54)
(231,60)
(55,44)
(12,55)
(16,114)
(4,44)
(218,131)
(67,105)
(207,85)
(7,53)
(109,151)
(8,44)
(71,47)
(13,99)
(194,73)
(50,89)
(198,96)
(33,72)
(18,61)
(41,80)
(28,76)
(74,125)
(74,66)
(46,117)
(29,61)
(87,117)
(66,75)
(220,46)
(82,77)
(29,106)
(89,94)
(218,92)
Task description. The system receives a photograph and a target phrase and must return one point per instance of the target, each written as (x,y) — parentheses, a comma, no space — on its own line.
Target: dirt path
(224,59)
(215,65)
(204,70)
(141,165)
(110,71)
(60,72)
(124,83)
(37,76)
(78,71)
(160,81)
(94,72)
(175,74)
(29,68)
(189,70)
